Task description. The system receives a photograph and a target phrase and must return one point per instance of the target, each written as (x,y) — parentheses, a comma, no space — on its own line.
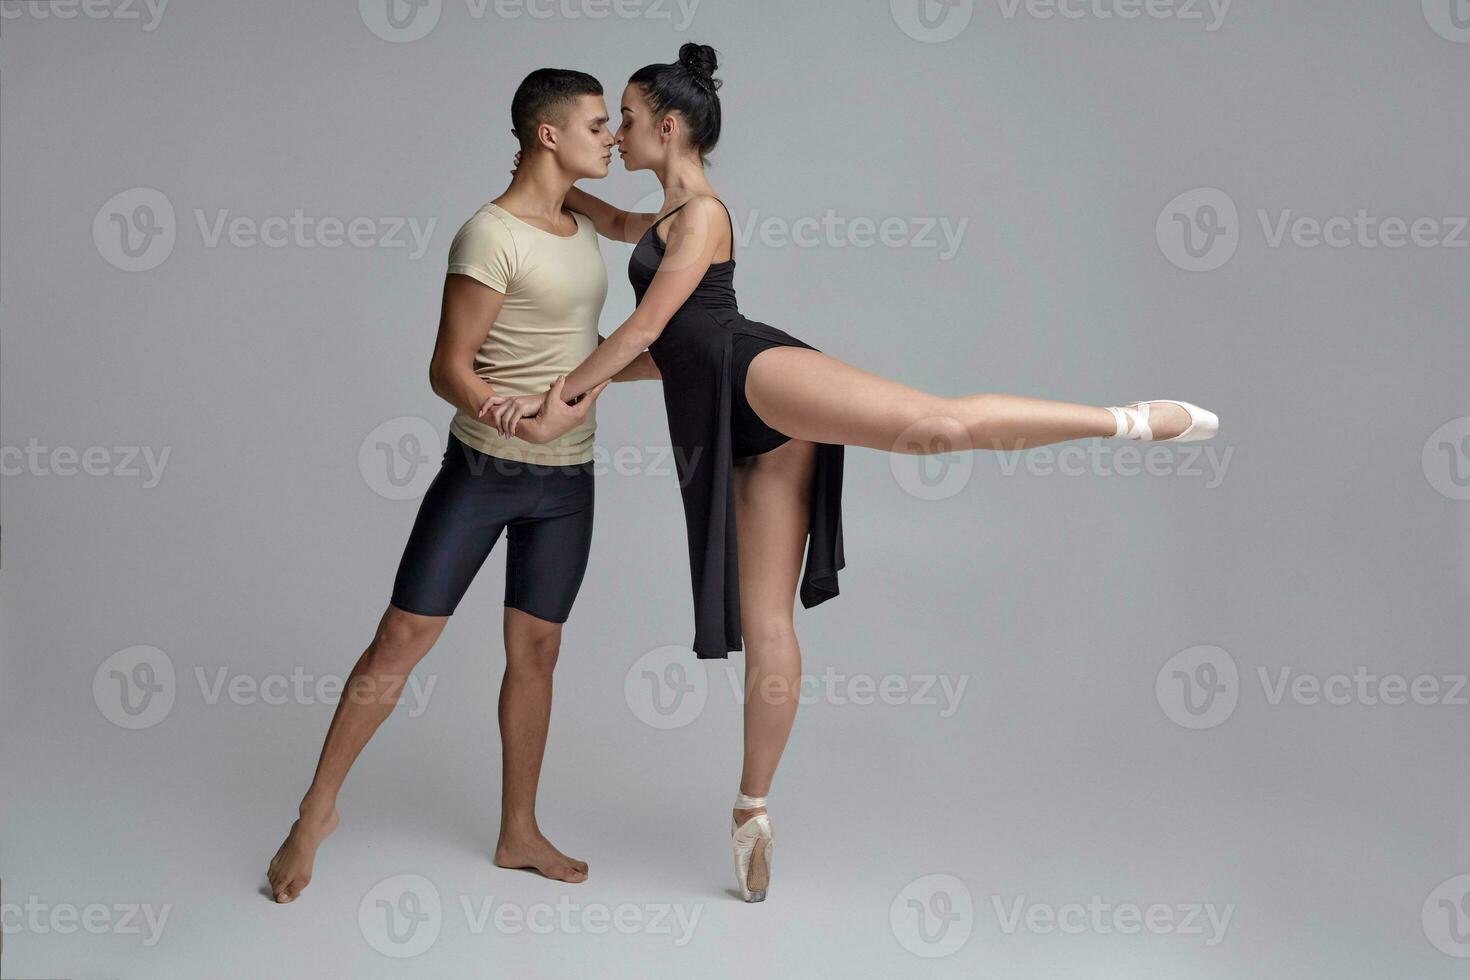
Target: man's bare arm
(468,312)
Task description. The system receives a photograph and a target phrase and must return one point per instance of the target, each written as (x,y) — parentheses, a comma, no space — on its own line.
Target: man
(524,289)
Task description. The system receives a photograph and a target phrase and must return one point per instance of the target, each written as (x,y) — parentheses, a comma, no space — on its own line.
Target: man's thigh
(547,553)
(470,502)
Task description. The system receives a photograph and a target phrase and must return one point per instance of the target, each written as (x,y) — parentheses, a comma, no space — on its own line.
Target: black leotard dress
(703,354)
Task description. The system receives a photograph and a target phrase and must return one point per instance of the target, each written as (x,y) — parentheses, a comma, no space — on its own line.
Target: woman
(760,420)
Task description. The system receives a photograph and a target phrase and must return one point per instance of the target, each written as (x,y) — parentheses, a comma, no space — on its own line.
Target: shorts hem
(419,611)
(532,612)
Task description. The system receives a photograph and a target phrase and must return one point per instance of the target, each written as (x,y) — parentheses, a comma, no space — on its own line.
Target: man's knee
(402,640)
(532,644)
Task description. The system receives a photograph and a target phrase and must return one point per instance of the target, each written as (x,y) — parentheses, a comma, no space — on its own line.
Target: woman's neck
(682,179)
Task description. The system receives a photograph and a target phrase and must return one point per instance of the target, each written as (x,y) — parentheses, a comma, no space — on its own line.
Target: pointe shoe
(752,842)
(1202,424)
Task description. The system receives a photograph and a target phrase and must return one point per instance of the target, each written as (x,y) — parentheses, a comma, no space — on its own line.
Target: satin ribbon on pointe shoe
(743,839)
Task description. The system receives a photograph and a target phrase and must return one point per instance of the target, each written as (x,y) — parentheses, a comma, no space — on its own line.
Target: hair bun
(699,58)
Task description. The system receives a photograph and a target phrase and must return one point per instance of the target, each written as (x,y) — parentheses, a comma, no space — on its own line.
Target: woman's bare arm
(691,249)
(692,244)
(641,368)
(618,225)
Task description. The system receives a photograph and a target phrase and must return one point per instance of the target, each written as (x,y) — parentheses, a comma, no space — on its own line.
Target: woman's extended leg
(813,396)
(772,494)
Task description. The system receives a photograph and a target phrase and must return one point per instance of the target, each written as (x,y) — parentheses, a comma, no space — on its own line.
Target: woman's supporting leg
(815,397)
(772,495)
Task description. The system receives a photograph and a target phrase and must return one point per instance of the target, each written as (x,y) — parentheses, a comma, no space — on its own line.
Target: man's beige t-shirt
(554,288)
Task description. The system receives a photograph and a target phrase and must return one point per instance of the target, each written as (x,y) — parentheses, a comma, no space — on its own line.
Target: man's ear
(546,135)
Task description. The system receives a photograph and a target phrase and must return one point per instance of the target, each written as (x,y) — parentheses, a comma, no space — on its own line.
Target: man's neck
(538,190)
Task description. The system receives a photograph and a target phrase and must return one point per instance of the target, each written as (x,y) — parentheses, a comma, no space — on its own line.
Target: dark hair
(687,87)
(544,96)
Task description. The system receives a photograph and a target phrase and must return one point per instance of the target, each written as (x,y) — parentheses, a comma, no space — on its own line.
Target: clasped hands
(538,418)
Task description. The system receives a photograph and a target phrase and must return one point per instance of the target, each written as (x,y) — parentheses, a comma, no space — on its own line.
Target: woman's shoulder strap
(670,214)
(728,218)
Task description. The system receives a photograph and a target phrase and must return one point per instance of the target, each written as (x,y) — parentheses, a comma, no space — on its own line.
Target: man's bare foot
(290,869)
(532,850)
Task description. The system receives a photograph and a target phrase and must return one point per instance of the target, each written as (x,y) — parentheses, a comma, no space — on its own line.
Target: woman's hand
(553,419)
(506,410)
(557,418)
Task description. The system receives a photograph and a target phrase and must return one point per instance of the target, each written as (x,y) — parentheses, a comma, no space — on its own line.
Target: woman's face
(639,142)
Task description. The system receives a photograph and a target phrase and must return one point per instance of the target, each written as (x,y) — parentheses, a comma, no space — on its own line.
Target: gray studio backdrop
(1099,710)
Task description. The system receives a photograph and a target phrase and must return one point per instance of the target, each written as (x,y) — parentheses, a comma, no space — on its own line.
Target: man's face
(583,142)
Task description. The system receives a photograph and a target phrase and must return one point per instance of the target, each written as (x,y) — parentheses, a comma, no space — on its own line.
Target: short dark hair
(544,96)
(687,87)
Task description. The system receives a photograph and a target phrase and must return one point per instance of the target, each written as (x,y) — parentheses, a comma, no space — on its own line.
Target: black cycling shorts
(547,509)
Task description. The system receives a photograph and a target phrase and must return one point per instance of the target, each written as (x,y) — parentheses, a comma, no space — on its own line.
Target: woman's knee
(772,661)
(945,425)
(774,630)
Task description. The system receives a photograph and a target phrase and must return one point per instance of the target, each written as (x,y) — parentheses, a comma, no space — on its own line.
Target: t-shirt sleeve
(484,250)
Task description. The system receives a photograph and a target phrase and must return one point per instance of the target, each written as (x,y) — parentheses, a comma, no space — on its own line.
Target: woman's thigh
(816,397)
